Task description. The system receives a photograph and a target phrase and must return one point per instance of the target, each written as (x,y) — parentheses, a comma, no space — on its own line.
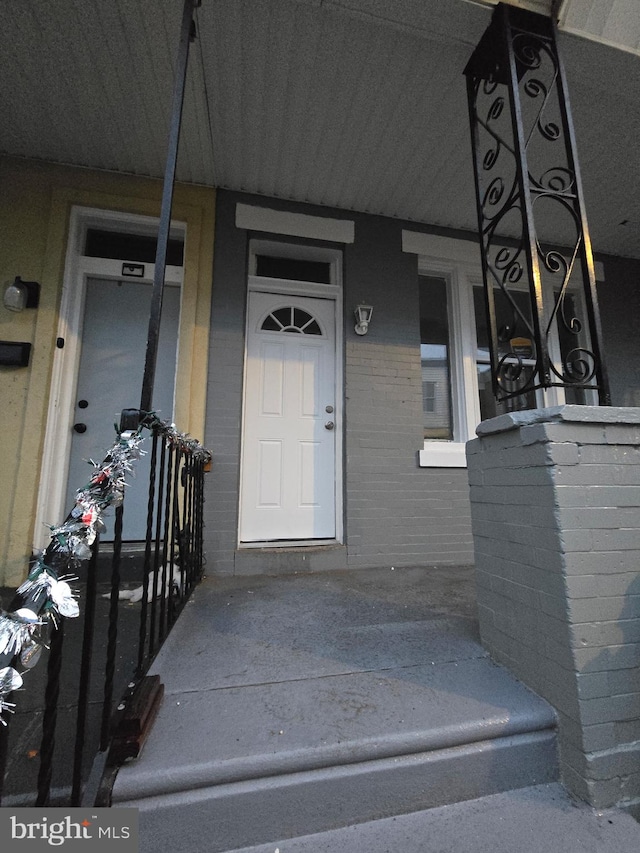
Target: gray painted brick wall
(224,389)
(395,512)
(556,524)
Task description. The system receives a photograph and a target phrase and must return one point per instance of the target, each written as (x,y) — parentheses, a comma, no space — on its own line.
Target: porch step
(220,817)
(287,719)
(541,819)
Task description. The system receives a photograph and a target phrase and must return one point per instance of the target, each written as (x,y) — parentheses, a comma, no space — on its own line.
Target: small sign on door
(136,270)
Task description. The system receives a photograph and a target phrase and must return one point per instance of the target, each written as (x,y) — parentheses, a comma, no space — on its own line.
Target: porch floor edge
(290,674)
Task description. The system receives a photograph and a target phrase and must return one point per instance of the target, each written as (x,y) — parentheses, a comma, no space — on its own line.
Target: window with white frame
(454,350)
(446,355)
(434,357)
(429,396)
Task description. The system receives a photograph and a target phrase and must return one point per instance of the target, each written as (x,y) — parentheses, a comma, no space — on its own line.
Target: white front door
(288,480)
(114,338)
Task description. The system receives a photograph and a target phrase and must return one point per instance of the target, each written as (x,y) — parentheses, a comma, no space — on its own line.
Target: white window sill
(443,454)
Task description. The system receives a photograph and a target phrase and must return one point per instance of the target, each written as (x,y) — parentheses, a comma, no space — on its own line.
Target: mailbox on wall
(15,353)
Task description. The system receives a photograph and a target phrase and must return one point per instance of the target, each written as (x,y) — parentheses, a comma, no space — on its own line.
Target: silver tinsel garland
(24,631)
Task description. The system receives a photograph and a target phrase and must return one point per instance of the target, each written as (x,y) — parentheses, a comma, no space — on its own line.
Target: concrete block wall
(555,501)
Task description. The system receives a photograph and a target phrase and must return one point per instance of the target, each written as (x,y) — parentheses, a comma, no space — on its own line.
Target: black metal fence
(99,703)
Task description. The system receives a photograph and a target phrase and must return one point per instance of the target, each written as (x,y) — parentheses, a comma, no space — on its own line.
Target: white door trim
(254,218)
(50,508)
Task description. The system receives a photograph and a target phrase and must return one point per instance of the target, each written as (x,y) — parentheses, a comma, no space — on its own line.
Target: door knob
(80,428)
(329,425)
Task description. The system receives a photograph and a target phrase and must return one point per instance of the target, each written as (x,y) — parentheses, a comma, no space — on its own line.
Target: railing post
(85,674)
(167,541)
(162,512)
(4,748)
(112,636)
(146,567)
(187,521)
(50,718)
(174,532)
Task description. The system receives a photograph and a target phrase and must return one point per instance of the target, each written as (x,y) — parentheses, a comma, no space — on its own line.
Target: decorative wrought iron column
(539,278)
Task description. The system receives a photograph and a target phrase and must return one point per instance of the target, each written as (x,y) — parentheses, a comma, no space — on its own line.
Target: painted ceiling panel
(616,22)
(357,104)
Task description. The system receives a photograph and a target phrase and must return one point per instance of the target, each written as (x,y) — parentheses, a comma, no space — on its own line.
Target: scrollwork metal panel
(533,231)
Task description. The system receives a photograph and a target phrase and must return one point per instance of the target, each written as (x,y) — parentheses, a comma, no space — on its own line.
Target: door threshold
(289,543)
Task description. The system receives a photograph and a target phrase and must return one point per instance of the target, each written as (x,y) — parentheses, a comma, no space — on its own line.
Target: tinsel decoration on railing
(46,595)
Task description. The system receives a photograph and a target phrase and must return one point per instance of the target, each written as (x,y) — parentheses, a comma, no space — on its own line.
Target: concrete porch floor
(320,708)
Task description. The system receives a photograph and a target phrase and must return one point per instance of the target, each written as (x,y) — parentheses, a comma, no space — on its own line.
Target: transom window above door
(314,269)
(291,319)
(296,269)
(130,246)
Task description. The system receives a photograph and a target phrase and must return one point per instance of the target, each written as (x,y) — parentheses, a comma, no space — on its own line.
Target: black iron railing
(173,559)
(102,667)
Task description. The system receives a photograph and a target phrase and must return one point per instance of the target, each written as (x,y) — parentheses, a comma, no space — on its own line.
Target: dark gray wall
(556,519)
(224,387)
(619,298)
(395,512)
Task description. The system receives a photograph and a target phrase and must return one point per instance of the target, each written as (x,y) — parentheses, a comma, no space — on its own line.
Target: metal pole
(186,33)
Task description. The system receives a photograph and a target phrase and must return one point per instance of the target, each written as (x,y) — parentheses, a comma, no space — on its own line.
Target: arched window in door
(291,319)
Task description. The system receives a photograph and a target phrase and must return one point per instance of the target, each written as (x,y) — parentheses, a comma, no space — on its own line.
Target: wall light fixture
(363,318)
(21,294)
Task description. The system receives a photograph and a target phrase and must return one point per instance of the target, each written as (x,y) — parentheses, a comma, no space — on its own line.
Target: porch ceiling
(357,104)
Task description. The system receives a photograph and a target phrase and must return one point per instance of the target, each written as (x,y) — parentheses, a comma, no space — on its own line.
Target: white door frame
(332,292)
(50,508)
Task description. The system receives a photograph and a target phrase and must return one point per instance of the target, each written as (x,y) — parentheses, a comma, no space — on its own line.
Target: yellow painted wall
(35,205)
